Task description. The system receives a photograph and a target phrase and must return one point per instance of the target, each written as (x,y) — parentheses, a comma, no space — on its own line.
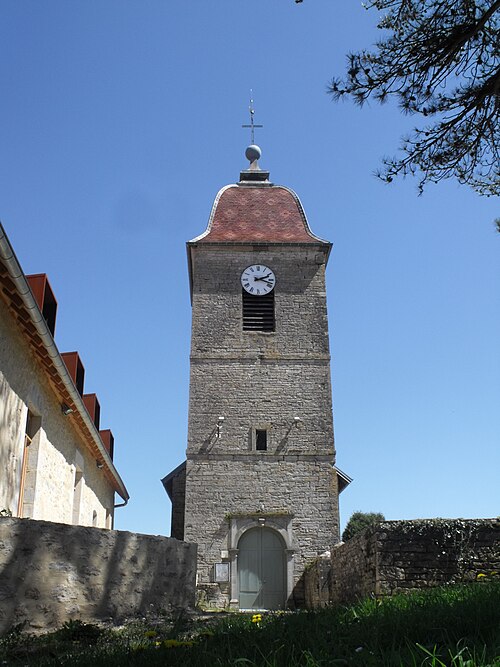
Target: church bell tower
(259,490)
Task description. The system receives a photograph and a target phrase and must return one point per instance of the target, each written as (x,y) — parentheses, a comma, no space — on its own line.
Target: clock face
(258,279)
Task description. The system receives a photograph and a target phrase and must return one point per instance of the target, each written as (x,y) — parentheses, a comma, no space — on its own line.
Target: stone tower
(259,490)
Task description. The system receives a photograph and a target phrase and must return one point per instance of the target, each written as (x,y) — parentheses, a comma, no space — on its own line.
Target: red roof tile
(258,213)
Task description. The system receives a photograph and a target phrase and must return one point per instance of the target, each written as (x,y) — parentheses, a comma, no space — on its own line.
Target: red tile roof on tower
(258,213)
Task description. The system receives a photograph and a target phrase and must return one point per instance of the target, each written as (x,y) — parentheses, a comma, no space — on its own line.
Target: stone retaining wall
(354,568)
(317,584)
(51,572)
(398,556)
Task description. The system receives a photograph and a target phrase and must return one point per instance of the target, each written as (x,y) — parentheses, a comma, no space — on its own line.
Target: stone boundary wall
(317,576)
(51,572)
(399,556)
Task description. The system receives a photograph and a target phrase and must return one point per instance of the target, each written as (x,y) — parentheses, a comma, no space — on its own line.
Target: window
(77,496)
(28,467)
(258,312)
(261,439)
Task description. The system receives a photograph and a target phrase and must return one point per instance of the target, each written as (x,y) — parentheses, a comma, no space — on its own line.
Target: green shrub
(359,521)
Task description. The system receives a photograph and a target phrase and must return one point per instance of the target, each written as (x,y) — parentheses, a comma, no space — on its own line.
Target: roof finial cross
(252,125)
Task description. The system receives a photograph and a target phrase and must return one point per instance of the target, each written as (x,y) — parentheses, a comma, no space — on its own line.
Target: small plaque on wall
(221,572)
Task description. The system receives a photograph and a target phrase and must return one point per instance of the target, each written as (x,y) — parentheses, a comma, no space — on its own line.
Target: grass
(456,626)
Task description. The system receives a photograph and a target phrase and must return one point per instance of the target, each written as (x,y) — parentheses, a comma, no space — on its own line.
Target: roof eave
(343,479)
(167,480)
(17,276)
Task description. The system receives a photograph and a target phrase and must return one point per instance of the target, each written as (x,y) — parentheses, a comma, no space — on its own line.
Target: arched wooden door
(261,570)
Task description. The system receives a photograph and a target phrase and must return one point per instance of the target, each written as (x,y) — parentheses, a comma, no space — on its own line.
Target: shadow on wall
(51,572)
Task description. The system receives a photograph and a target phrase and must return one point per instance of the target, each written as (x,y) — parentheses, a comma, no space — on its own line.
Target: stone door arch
(261,569)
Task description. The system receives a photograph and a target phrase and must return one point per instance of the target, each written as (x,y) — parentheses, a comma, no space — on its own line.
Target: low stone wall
(317,582)
(354,568)
(50,573)
(397,556)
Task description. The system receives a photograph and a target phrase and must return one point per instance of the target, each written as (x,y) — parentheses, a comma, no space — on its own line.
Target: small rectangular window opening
(260,440)
(32,425)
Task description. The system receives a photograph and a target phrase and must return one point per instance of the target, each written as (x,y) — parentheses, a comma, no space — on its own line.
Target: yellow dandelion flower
(174,643)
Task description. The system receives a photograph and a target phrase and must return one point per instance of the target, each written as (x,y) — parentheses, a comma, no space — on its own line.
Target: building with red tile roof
(57,464)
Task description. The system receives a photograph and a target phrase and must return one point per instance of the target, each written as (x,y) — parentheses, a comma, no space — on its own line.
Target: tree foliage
(359,521)
(441,60)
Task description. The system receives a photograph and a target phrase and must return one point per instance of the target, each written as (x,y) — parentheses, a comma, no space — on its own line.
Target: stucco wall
(56,452)
(51,572)
(12,420)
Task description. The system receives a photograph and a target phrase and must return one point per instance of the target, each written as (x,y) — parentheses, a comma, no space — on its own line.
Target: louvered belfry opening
(258,312)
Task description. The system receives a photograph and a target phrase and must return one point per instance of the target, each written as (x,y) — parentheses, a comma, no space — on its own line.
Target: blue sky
(119,122)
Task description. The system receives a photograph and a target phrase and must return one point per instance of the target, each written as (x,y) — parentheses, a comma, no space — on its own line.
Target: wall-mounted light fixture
(298,422)
(66,410)
(99,464)
(220,421)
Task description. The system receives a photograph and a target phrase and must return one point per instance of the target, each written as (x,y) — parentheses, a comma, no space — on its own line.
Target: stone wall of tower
(301,316)
(260,380)
(305,490)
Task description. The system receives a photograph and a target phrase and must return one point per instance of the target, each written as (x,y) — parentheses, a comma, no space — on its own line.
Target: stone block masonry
(275,381)
(300,491)
(400,556)
(50,573)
